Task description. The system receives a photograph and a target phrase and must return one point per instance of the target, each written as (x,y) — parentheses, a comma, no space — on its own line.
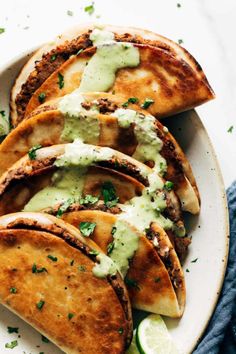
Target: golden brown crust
(45,67)
(123,171)
(92,317)
(171,83)
(151,284)
(34,131)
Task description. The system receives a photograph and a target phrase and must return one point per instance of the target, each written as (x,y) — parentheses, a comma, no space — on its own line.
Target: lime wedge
(133,347)
(152,337)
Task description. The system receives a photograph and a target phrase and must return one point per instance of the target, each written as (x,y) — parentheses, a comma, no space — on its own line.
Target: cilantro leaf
(13,290)
(41,97)
(86,228)
(88,199)
(32,151)
(54,259)
(40,304)
(109,194)
(90,9)
(147,103)
(64,206)
(38,270)
(70,316)
(60,81)
(169,185)
(53,57)
(11,345)
(110,247)
(130,100)
(44,339)
(12,329)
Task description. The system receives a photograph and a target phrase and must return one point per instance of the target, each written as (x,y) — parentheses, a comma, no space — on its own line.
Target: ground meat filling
(52,60)
(104,105)
(165,255)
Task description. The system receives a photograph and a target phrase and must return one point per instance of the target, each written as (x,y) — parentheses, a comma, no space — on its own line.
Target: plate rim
(226,226)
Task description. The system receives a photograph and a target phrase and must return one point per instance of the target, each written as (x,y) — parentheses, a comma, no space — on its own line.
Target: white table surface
(207,28)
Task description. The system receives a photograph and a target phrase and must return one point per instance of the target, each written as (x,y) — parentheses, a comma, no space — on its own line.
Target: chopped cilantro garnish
(94,252)
(79,51)
(60,81)
(169,185)
(109,194)
(70,316)
(130,100)
(54,259)
(32,151)
(41,97)
(133,100)
(12,329)
(38,270)
(157,279)
(40,304)
(81,268)
(53,57)
(194,260)
(162,167)
(3,113)
(88,199)
(110,247)
(44,339)
(13,290)
(132,283)
(89,9)
(113,231)
(70,13)
(72,262)
(187,270)
(86,228)
(63,208)
(14,343)
(230,130)
(121,330)
(180,41)
(178,4)
(2,30)
(147,103)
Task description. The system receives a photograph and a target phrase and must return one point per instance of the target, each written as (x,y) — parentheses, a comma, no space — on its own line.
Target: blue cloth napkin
(220,336)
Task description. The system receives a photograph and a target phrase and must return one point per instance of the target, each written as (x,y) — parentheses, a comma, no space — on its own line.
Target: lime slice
(153,337)
(133,347)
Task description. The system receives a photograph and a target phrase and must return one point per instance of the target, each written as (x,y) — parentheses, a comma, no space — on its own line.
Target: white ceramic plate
(204,277)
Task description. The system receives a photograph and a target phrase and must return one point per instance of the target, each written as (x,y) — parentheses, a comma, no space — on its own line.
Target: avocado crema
(140,211)
(99,74)
(149,145)
(82,123)
(79,122)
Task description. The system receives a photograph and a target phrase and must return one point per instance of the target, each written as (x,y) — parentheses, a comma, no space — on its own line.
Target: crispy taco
(54,175)
(63,285)
(106,120)
(133,62)
(147,260)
